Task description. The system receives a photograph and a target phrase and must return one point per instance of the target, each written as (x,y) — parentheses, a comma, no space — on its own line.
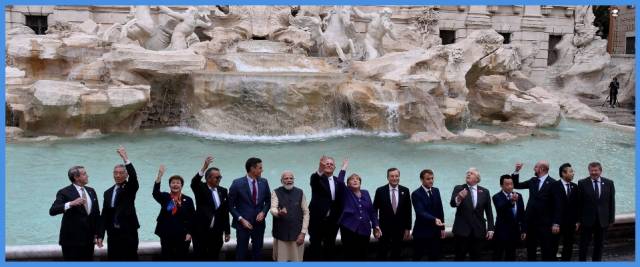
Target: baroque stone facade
(422,71)
(521,25)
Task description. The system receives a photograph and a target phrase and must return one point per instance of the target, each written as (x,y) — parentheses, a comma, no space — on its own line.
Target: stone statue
(379,25)
(188,21)
(585,31)
(338,35)
(141,26)
(138,28)
(427,25)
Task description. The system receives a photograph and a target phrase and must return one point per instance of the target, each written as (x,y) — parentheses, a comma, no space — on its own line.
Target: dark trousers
(431,247)
(354,245)
(257,238)
(469,245)
(596,233)
(207,245)
(613,99)
(323,240)
(174,249)
(78,253)
(122,245)
(390,243)
(567,234)
(540,236)
(505,250)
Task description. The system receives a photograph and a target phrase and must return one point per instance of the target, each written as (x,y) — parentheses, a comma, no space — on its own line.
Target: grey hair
(74,172)
(475,171)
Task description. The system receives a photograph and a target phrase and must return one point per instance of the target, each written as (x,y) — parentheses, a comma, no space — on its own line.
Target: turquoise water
(35,171)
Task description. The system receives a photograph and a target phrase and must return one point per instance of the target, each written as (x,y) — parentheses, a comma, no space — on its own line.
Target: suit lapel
(261,187)
(387,198)
(75,194)
(109,196)
(89,195)
(479,197)
(591,190)
(546,183)
(324,181)
(248,184)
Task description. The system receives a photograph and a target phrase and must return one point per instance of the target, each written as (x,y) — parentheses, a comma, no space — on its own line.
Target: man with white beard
(290,220)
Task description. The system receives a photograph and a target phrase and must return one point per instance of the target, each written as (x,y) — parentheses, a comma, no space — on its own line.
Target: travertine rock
(69,108)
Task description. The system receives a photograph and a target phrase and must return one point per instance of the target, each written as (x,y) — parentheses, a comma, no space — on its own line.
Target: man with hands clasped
(290,220)
(249,202)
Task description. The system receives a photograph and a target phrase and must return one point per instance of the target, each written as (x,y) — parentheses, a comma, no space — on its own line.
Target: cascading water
(389,99)
(465,118)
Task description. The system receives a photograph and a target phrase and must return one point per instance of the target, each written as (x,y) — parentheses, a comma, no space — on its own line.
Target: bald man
(538,213)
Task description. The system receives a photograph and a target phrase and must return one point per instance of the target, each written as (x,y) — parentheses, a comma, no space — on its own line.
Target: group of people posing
(556,210)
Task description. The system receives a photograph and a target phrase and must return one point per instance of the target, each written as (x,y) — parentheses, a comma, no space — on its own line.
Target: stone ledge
(620,240)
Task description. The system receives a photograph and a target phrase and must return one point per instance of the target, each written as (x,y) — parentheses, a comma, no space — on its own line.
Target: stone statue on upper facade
(337,38)
(188,21)
(379,25)
(427,25)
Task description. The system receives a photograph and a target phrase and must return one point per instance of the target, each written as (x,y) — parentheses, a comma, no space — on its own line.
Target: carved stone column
(478,18)
(532,33)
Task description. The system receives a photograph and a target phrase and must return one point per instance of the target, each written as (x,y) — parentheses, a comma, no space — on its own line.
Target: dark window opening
(552,54)
(507,37)
(631,46)
(448,37)
(37,23)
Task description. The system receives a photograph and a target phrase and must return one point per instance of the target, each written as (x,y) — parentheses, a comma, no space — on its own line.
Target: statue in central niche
(188,21)
(338,36)
(379,25)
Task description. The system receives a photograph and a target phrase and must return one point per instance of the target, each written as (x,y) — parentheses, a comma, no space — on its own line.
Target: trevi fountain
(289,84)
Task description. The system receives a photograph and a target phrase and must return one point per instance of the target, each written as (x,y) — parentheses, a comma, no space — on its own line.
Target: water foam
(334,133)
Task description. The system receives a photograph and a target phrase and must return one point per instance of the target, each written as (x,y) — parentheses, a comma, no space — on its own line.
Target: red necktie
(254,194)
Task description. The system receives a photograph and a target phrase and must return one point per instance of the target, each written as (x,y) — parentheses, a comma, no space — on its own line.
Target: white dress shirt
(78,188)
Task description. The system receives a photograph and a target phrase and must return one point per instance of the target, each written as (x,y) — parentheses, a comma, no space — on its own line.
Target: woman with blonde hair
(358,217)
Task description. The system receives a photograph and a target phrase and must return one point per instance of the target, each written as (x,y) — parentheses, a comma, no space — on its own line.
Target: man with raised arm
(119,218)
(212,212)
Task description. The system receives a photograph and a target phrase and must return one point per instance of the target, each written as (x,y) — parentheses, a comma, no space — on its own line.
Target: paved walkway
(620,115)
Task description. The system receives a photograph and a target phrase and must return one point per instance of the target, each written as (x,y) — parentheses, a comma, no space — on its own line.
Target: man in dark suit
(212,213)
(249,202)
(428,229)
(392,202)
(80,220)
(119,217)
(510,223)
(538,215)
(470,226)
(564,196)
(597,210)
(325,209)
